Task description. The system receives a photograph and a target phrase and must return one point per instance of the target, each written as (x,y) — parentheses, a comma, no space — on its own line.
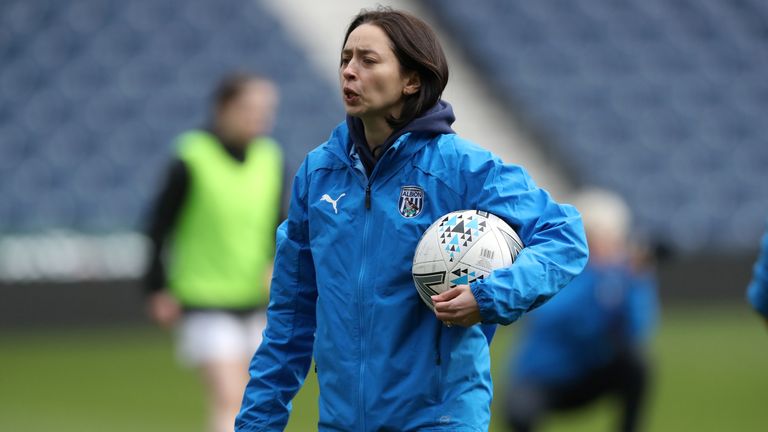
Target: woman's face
(372,81)
(249,114)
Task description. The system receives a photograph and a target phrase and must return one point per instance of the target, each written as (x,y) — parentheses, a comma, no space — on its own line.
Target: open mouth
(350,95)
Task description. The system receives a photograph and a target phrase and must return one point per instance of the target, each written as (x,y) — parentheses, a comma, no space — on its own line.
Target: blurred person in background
(757,292)
(212,231)
(588,341)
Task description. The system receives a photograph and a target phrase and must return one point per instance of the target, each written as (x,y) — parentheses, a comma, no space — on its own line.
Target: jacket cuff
(485,302)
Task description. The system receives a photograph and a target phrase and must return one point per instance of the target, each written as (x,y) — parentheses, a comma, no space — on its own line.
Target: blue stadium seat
(657,94)
(92,95)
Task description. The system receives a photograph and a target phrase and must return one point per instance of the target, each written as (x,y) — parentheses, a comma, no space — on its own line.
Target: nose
(348,72)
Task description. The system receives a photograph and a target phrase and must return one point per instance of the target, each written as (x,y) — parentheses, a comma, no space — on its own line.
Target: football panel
(511,239)
(429,279)
(464,274)
(488,253)
(428,248)
(458,231)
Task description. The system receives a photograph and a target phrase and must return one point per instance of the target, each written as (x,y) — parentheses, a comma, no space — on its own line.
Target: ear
(412,83)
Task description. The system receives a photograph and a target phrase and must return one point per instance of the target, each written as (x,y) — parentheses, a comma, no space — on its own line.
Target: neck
(377,130)
(231,140)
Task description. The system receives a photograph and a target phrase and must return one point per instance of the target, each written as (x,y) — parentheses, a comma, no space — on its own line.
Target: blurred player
(587,342)
(757,293)
(215,222)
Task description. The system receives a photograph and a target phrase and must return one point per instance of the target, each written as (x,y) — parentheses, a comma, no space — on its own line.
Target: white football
(461,247)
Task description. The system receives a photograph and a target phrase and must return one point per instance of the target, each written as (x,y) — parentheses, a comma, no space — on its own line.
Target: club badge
(411,201)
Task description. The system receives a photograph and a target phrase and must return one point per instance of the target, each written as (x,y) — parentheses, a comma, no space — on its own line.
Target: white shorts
(214,336)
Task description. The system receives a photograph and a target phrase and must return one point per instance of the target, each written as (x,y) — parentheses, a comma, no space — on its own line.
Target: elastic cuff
(484,302)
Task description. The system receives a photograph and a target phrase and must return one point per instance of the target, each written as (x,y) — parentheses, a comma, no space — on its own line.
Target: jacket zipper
(360,284)
(360,296)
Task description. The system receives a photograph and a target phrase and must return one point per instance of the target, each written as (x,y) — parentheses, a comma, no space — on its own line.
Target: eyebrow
(361,51)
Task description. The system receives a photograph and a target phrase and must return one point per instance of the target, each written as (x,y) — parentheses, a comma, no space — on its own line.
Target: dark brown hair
(417,49)
(231,86)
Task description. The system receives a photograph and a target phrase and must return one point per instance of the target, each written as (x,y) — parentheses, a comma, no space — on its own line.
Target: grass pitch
(710,374)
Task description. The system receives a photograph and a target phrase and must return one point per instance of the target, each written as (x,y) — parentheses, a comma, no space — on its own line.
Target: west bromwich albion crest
(411,201)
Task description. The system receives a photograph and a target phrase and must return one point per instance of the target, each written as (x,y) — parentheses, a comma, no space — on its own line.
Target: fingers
(467,321)
(164,309)
(457,306)
(447,295)
(451,299)
(447,311)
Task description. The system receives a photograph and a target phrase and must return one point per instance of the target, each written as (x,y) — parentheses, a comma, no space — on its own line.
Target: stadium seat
(91,97)
(657,94)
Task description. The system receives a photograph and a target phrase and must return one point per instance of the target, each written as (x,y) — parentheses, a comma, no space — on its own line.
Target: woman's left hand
(457,306)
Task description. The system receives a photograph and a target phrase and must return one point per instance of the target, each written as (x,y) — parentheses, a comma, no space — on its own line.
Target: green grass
(97,380)
(711,374)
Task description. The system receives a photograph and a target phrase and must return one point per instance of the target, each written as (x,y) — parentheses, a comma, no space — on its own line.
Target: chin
(354,111)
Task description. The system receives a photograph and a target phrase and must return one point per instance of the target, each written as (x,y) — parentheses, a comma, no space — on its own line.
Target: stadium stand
(92,93)
(667,99)
(663,102)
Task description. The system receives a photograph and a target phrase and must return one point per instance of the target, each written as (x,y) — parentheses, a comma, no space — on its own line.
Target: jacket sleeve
(757,292)
(280,365)
(555,246)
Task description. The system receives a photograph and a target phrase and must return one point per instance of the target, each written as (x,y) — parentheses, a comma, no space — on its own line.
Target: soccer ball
(461,247)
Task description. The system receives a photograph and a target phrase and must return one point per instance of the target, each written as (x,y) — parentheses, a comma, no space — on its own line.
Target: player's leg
(624,377)
(217,344)
(632,384)
(225,382)
(579,392)
(526,406)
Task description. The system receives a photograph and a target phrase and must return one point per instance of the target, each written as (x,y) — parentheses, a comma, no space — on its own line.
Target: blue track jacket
(757,293)
(607,310)
(342,289)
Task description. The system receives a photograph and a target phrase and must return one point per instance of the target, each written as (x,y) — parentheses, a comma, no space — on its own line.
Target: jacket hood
(435,121)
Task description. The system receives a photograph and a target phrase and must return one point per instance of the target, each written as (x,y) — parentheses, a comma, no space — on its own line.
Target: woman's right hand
(164,309)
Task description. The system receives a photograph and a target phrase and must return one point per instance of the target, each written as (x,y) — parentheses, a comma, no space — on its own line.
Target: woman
(217,215)
(342,287)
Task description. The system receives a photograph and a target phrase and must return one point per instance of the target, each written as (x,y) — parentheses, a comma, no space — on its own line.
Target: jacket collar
(398,153)
(437,120)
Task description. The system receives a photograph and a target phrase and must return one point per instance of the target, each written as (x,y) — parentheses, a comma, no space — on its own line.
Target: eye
(369,60)
(344,60)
